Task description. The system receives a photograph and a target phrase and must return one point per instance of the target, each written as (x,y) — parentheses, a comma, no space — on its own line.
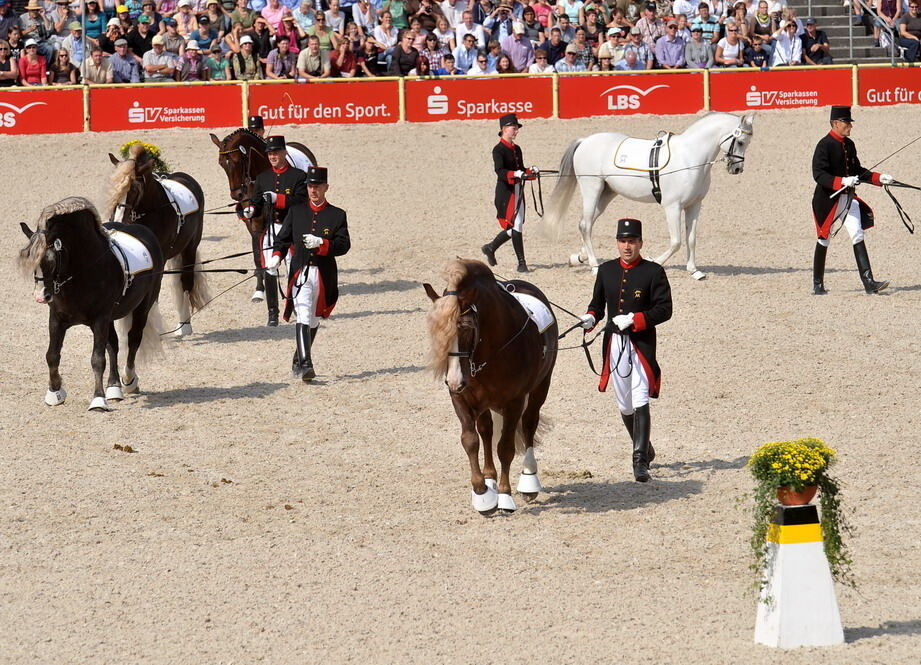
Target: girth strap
(654,168)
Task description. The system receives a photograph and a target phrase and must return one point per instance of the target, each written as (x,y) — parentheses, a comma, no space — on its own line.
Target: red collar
(627,266)
(835,135)
(507,143)
(318,208)
(281,170)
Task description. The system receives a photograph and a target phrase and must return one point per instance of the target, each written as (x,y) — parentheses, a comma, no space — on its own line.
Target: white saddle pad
(298,159)
(131,253)
(181,195)
(539,313)
(633,154)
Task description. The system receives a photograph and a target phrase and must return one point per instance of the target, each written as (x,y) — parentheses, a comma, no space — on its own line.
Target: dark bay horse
(79,277)
(242,156)
(137,195)
(494,359)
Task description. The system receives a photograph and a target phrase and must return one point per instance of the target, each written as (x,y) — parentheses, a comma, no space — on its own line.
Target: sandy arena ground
(261,520)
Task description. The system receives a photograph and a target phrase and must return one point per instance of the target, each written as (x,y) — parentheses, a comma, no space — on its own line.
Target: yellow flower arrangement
(160,166)
(793,464)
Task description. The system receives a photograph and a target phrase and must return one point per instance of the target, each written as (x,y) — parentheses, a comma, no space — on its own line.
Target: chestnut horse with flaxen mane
(494,359)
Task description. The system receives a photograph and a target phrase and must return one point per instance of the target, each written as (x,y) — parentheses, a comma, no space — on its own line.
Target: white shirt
(476,71)
(382,36)
(687,8)
(787,50)
(535,68)
(454,14)
(476,30)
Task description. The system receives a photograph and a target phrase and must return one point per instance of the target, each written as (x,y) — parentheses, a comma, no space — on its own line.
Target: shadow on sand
(407,369)
(206,394)
(371,288)
(679,469)
(912,627)
(593,496)
(251,334)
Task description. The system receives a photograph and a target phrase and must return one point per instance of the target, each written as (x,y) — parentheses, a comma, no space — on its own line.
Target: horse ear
(25,229)
(215,140)
(750,119)
(114,159)
(430,292)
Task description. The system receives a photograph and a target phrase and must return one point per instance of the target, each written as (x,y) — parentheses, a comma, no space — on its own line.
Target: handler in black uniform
(636,294)
(510,203)
(316,232)
(256,125)
(274,192)
(835,167)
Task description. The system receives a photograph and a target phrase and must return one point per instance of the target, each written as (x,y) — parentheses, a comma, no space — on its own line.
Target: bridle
(733,158)
(56,282)
(247,181)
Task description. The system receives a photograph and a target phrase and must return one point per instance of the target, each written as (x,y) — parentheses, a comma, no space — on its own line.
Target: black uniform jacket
(327,222)
(506,158)
(834,158)
(288,182)
(640,287)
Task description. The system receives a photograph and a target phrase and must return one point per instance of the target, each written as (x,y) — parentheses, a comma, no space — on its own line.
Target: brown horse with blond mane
(495,358)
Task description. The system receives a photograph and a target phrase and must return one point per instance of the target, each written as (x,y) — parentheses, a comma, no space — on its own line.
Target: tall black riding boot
(304,341)
(297,363)
(518,244)
(489,250)
(866,272)
(818,270)
(641,428)
(628,423)
(271,299)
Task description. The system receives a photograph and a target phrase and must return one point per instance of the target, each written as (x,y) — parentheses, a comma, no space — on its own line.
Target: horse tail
(199,294)
(151,346)
(561,194)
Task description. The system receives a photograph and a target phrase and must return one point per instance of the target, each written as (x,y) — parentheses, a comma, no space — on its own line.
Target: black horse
(138,196)
(77,274)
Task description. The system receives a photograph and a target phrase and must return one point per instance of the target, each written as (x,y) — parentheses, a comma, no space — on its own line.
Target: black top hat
(508,120)
(317,175)
(274,143)
(629,228)
(255,122)
(842,113)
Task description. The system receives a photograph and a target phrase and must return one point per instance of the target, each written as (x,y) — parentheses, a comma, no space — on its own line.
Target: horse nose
(456,386)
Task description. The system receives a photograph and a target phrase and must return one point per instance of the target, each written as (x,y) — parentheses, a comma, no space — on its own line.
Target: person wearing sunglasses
(670,48)
(9,70)
(730,49)
(910,32)
(33,68)
(788,48)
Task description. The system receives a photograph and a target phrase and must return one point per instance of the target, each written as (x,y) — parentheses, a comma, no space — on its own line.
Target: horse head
(738,141)
(129,184)
(242,156)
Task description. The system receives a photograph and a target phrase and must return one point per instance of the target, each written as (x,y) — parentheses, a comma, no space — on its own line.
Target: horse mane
(442,318)
(30,256)
(244,131)
(122,177)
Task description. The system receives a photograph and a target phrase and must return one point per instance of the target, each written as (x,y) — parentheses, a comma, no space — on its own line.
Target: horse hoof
(528,496)
(258,296)
(55,397)
(507,503)
(529,483)
(698,275)
(485,503)
(99,404)
(184,330)
(132,387)
(114,394)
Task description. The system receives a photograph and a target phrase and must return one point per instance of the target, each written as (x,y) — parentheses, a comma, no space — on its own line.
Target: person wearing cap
(125,68)
(570,61)
(631,297)
(173,42)
(140,39)
(192,64)
(670,48)
(518,47)
(245,65)
(73,43)
(96,69)
(275,190)
(511,173)
(816,50)
(314,233)
(206,36)
(124,19)
(186,22)
(698,54)
(612,49)
(639,47)
(837,172)
(158,64)
(651,27)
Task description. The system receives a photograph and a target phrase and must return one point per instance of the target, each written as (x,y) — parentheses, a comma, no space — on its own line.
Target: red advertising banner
(779,89)
(348,102)
(37,111)
(625,94)
(883,86)
(162,106)
(478,98)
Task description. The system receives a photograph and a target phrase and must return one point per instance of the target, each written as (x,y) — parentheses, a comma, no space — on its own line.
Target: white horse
(608,164)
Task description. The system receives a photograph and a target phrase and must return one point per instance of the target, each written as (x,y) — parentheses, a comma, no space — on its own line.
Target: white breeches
(631,385)
(851,221)
(518,224)
(306,291)
(268,240)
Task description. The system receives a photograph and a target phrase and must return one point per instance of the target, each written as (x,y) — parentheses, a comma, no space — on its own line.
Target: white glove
(535,170)
(273,262)
(886,179)
(518,174)
(588,321)
(311,241)
(270,197)
(248,212)
(623,321)
(851,181)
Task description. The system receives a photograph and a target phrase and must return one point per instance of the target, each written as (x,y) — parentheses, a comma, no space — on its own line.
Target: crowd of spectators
(63,42)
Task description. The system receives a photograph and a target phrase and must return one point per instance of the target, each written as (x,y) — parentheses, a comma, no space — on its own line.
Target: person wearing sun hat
(73,42)
(511,174)
(191,64)
(37,25)
(158,63)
